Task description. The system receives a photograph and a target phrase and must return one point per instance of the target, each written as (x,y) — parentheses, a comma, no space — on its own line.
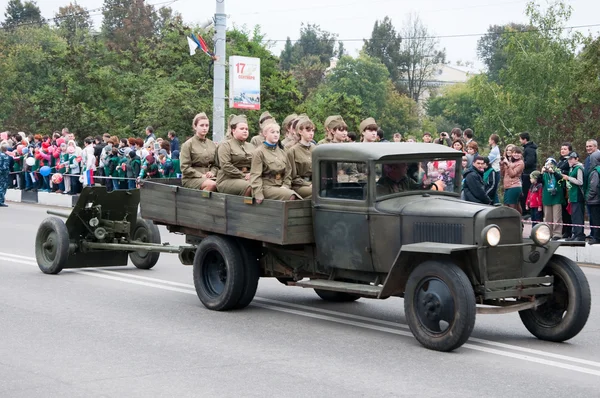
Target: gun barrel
(57,213)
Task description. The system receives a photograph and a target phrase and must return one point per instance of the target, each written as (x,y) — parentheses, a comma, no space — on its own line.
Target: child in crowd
(74,168)
(134,165)
(534,197)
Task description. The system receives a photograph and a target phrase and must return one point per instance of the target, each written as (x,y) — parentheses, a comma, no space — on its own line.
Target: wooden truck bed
(166,202)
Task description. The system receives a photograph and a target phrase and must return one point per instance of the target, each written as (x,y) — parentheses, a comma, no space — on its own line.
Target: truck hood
(431,206)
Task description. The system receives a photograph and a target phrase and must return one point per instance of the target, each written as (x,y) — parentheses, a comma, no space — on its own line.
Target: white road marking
(331,316)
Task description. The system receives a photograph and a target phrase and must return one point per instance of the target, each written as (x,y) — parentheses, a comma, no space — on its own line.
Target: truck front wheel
(439,304)
(219,275)
(566,311)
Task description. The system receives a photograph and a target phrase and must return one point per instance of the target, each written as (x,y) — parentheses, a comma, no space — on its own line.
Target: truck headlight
(491,235)
(541,234)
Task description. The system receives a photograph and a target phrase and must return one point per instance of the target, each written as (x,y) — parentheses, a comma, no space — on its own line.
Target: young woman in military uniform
(235,159)
(197,158)
(300,159)
(288,129)
(368,130)
(271,174)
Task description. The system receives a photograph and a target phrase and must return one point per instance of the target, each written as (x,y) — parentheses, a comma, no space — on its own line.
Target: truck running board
(335,286)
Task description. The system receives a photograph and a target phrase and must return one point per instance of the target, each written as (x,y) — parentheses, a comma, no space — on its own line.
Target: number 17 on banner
(244,83)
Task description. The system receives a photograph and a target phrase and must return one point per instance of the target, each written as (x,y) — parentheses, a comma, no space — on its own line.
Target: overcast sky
(353,20)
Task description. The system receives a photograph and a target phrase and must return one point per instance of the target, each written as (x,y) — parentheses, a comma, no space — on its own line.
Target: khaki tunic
(197,157)
(257,140)
(235,159)
(324,141)
(300,158)
(271,174)
(287,143)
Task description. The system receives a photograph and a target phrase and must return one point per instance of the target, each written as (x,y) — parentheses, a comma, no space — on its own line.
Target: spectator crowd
(558,190)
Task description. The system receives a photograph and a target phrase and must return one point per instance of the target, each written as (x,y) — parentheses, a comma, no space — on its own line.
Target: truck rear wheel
(52,245)
(145,231)
(566,312)
(439,304)
(219,276)
(252,275)
(337,297)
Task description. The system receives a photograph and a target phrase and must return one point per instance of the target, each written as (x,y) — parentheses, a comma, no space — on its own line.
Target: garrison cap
(366,123)
(238,119)
(335,121)
(264,117)
(288,119)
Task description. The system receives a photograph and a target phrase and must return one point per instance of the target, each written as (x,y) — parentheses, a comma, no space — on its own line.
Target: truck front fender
(409,257)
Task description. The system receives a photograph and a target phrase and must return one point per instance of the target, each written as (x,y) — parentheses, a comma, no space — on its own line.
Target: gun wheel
(52,245)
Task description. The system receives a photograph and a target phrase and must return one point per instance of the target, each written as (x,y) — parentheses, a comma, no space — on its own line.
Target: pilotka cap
(366,123)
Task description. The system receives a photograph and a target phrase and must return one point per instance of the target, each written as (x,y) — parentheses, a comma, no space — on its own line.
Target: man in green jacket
(574,181)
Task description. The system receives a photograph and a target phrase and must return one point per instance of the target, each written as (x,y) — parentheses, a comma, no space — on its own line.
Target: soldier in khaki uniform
(259,138)
(368,130)
(287,128)
(291,137)
(197,158)
(337,129)
(328,132)
(300,158)
(271,174)
(235,158)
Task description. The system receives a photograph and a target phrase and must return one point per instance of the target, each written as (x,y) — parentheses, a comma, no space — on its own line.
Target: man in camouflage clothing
(4,173)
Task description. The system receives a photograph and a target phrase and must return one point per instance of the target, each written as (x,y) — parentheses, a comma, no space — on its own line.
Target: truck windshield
(417,175)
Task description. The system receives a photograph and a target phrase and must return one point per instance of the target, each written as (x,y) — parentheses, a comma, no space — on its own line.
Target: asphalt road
(123,332)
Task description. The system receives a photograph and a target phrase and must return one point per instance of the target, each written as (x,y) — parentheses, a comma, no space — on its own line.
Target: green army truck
(385,220)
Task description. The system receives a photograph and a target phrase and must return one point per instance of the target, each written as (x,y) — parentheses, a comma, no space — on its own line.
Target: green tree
(384,45)
(18,13)
(73,21)
(324,102)
(286,55)
(126,22)
(538,82)
(457,104)
(490,47)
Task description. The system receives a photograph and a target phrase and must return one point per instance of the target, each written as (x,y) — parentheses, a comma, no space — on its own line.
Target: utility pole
(219,73)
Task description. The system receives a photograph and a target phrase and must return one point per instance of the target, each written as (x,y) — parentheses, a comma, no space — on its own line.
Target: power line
(455,36)
(90,13)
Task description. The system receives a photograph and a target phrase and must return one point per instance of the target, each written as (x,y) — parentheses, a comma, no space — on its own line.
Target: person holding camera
(553,197)
(444,139)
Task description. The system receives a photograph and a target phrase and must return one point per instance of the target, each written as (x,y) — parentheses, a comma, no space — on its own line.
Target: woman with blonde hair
(271,174)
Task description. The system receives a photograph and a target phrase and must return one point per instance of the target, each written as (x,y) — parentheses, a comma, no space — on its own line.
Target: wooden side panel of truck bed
(279,222)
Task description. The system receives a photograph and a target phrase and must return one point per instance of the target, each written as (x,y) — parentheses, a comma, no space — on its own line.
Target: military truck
(379,224)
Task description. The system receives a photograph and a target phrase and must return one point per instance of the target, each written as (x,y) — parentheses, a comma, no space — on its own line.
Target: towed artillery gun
(374,228)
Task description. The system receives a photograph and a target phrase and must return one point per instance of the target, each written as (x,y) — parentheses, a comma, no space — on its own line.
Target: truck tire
(566,312)
(145,231)
(219,276)
(439,304)
(52,245)
(252,274)
(337,297)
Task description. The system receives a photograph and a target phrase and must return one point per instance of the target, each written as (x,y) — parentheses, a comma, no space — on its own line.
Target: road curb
(41,198)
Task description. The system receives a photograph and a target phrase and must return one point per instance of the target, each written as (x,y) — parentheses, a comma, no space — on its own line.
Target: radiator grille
(438,232)
(506,263)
